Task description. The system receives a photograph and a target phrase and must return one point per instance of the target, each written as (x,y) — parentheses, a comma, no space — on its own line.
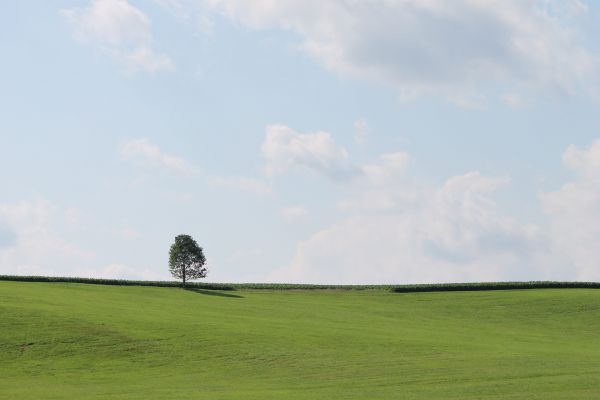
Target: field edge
(408,288)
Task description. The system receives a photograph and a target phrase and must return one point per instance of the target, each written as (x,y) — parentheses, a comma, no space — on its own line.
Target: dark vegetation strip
(437,287)
(197,285)
(449,287)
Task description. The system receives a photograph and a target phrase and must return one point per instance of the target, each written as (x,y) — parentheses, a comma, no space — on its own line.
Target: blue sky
(302,141)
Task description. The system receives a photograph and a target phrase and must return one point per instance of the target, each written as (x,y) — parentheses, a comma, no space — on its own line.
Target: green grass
(81,341)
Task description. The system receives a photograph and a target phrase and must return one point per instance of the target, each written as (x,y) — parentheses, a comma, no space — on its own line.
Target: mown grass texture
(81,341)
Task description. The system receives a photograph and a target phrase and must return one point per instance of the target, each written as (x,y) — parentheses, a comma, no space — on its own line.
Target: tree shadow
(213,293)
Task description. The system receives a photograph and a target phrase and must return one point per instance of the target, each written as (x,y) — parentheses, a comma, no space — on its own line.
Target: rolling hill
(81,341)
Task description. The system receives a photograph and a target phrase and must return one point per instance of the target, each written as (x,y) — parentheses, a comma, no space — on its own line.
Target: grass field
(81,341)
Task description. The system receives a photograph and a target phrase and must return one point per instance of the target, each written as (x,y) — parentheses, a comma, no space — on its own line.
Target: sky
(310,141)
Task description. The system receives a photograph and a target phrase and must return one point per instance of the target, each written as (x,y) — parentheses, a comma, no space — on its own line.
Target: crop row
(199,285)
(438,287)
(448,287)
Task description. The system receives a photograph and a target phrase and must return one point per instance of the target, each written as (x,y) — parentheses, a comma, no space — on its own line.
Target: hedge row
(448,287)
(115,282)
(199,285)
(438,287)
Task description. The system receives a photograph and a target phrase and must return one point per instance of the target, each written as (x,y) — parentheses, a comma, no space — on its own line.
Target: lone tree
(186,259)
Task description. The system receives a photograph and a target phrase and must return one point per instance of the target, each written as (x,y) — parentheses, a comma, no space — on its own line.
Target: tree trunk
(184,277)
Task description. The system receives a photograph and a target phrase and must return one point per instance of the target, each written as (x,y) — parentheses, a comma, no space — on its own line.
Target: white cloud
(574,212)
(119,271)
(147,59)
(388,168)
(245,184)
(452,233)
(293,213)
(35,246)
(121,31)
(585,162)
(464,50)
(285,149)
(146,152)
(383,185)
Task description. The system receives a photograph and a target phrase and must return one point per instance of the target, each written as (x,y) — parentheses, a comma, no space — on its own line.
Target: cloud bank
(397,229)
(465,50)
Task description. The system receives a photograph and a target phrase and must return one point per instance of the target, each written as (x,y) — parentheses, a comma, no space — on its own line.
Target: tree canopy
(186,259)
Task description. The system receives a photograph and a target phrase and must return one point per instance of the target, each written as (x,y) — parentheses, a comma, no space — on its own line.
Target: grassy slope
(64,340)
